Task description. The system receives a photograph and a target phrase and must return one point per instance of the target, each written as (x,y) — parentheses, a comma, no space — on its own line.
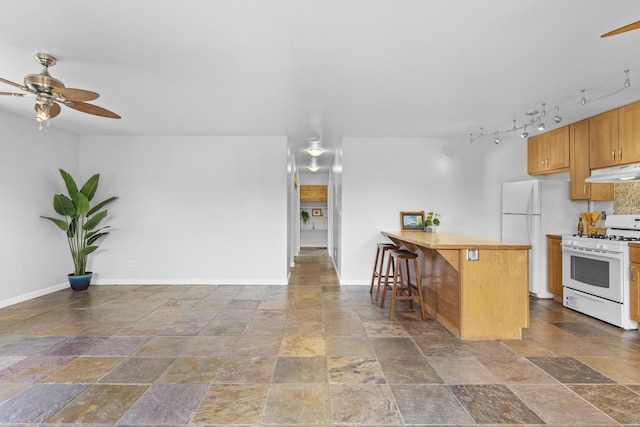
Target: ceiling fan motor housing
(43,82)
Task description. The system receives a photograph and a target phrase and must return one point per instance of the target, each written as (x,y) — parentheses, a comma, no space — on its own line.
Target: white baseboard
(187,282)
(35,294)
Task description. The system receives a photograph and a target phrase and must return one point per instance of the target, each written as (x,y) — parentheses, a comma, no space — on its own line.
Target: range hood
(616,174)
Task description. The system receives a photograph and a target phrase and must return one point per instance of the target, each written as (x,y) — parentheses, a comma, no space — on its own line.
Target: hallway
(311,353)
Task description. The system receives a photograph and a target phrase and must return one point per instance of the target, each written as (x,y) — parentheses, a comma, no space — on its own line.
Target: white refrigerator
(532,209)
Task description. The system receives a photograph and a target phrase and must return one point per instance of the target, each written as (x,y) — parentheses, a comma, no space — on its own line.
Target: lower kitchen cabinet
(554,264)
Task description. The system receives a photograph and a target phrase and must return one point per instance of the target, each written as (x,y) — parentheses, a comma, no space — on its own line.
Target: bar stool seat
(401,289)
(378,266)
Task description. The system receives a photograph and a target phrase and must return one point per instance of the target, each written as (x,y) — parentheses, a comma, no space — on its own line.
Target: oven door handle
(593,252)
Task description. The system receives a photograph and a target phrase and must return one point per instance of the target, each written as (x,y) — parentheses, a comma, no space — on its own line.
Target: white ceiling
(331,68)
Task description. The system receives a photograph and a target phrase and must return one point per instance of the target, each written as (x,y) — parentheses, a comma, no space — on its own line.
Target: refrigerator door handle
(530,202)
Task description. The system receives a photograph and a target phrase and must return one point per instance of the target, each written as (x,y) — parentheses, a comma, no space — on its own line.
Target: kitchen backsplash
(626,198)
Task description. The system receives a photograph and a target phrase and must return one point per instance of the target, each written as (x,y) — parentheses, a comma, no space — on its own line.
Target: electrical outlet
(130,263)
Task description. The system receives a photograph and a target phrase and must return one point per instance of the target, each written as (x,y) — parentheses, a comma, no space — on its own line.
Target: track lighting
(540,122)
(627,82)
(534,119)
(557,118)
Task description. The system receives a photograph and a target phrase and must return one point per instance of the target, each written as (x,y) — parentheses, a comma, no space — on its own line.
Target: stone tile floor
(311,353)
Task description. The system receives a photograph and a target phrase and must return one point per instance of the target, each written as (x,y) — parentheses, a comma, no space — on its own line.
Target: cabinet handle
(619,154)
(613,155)
(584,189)
(633,270)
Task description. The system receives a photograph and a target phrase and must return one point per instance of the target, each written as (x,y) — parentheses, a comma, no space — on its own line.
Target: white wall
(384,176)
(194,210)
(34,252)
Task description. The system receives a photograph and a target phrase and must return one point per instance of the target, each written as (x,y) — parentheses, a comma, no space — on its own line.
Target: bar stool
(401,290)
(378,267)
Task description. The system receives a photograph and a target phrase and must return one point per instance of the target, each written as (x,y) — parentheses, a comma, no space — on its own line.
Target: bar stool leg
(419,286)
(375,268)
(385,251)
(394,289)
(386,286)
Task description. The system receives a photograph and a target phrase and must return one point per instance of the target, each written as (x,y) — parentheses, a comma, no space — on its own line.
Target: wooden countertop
(440,240)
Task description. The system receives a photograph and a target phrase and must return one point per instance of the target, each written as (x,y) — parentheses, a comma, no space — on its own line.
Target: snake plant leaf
(100,205)
(60,223)
(72,188)
(89,188)
(63,205)
(94,220)
(81,203)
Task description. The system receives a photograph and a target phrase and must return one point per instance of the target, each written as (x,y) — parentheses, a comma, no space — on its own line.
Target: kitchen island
(476,288)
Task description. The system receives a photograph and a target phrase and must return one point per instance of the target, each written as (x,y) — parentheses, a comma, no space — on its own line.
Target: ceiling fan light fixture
(42,113)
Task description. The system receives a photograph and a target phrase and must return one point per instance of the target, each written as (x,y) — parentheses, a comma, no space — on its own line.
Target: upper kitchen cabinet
(604,149)
(629,133)
(579,170)
(548,153)
(613,138)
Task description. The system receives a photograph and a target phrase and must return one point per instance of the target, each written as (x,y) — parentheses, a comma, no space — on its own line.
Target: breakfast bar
(477,288)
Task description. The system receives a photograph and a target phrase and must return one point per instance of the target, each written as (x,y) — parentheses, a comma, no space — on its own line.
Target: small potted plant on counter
(431,222)
(80,224)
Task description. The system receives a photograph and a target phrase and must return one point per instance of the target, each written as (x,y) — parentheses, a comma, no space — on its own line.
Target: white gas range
(596,271)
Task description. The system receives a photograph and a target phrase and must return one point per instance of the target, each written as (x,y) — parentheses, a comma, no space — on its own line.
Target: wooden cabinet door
(537,154)
(629,133)
(558,149)
(579,170)
(603,140)
(635,291)
(554,265)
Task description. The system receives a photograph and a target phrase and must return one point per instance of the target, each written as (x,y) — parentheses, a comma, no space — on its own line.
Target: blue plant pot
(80,283)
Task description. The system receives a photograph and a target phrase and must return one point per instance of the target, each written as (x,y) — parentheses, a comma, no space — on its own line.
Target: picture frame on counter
(316,212)
(412,221)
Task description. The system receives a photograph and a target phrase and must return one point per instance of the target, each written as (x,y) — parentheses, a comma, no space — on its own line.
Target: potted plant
(305,216)
(431,222)
(80,224)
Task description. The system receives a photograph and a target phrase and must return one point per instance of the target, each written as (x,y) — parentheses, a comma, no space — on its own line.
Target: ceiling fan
(624,29)
(50,92)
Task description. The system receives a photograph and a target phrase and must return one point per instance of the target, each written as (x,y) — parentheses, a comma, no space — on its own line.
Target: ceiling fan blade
(19,86)
(91,109)
(54,109)
(624,29)
(11,94)
(72,94)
